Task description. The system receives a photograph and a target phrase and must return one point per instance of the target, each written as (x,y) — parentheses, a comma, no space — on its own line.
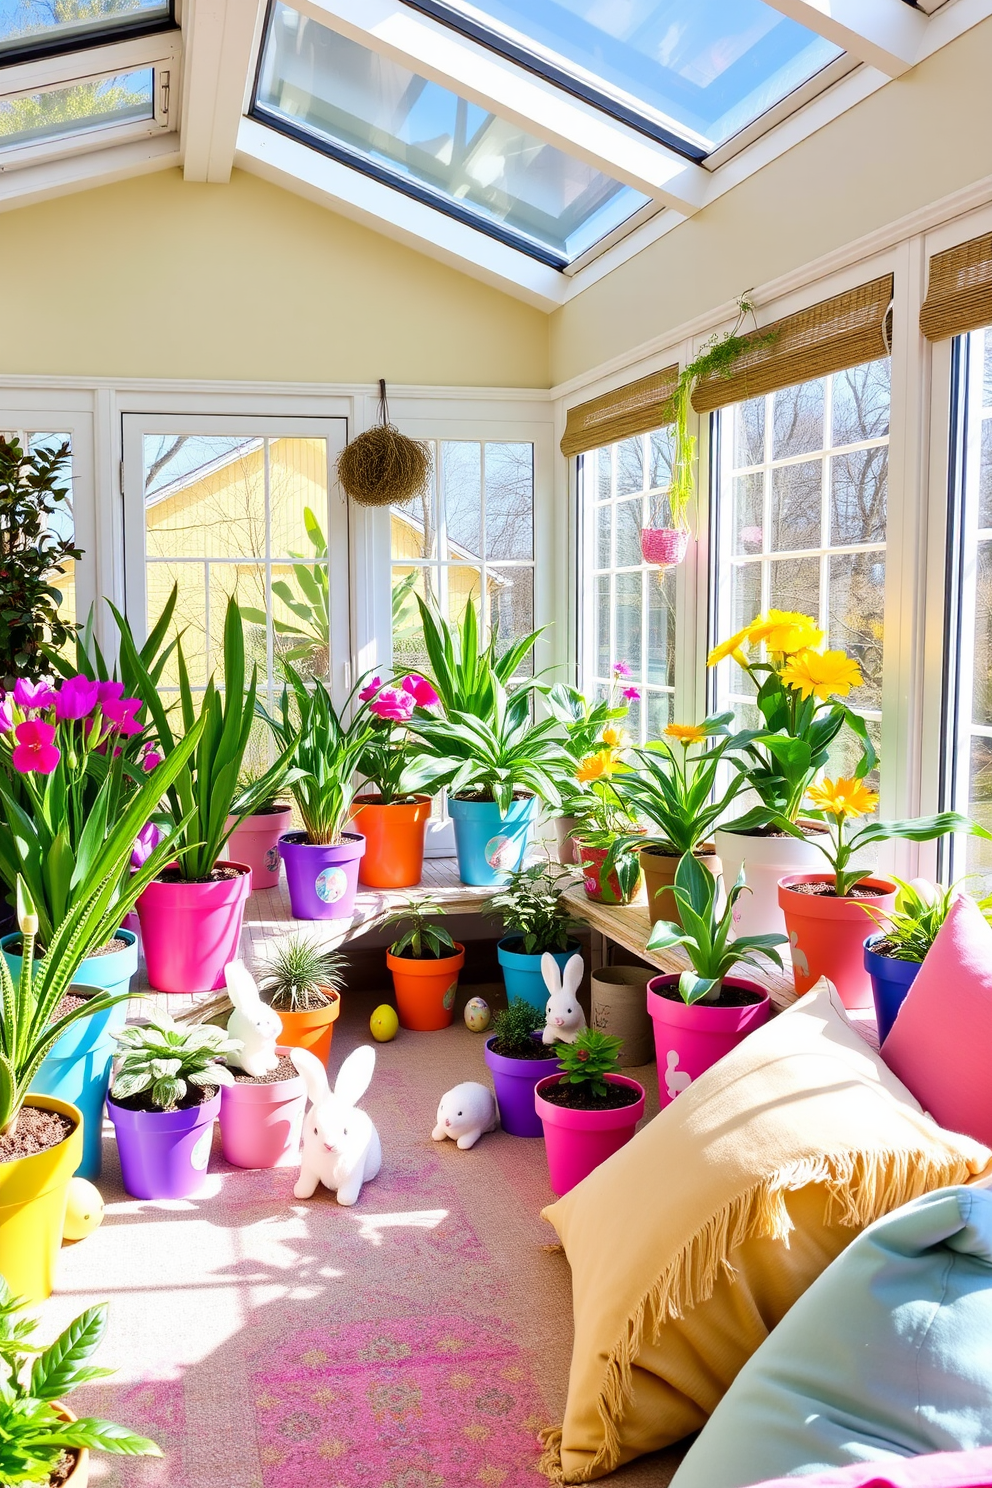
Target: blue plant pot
(77,1067)
(490,847)
(522,973)
(890,981)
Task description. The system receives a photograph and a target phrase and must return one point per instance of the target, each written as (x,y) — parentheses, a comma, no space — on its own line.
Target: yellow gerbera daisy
(686,733)
(596,766)
(821,674)
(785,631)
(843,798)
(733,647)
(615,738)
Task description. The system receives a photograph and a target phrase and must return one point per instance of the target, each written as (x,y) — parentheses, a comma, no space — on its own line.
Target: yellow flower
(785,632)
(596,766)
(686,733)
(843,798)
(821,674)
(731,648)
(615,738)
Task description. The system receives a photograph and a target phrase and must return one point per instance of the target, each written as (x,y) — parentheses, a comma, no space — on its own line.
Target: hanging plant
(382,467)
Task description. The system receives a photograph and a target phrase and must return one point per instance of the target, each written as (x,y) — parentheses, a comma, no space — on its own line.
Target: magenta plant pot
(578,1141)
(322,881)
(687,1040)
(664,546)
(164,1154)
(255,842)
(190,931)
(261,1125)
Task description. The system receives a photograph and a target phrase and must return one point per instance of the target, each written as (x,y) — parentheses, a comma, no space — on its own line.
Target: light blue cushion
(888,1354)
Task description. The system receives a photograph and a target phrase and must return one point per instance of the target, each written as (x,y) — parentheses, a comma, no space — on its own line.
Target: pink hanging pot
(664,546)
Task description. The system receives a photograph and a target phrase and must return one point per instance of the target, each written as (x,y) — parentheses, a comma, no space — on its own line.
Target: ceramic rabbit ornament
(255,1024)
(465,1112)
(341,1147)
(564,1017)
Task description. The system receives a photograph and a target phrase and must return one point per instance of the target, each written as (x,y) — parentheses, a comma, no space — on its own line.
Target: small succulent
(300,974)
(165,1058)
(513,1027)
(422,939)
(588,1059)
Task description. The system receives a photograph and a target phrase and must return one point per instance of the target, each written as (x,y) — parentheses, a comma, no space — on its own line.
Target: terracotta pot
(619,1009)
(659,871)
(425,989)
(564,828)
(577,1141)
(765,860)
(255,842)
(80,1475)
(689,1039)
(261,1125)
(311,1028)
(592,861)
(827,935)
(394,841)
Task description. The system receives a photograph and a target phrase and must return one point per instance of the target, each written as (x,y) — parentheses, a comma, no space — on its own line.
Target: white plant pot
(765,861)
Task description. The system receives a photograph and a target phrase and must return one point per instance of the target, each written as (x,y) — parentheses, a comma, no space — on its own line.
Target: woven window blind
(959,294)
(836,333)
(634,409)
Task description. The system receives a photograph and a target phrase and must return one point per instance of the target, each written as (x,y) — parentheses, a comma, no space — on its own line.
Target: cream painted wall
(156,277)
(911,143)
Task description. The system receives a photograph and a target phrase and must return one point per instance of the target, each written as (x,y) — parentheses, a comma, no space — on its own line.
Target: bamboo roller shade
(836,333)
(634,409)
(959,294)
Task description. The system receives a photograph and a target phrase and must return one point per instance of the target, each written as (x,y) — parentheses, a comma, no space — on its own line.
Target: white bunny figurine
(564,1017)
(341,1147)
(253,1023)
(465,1112)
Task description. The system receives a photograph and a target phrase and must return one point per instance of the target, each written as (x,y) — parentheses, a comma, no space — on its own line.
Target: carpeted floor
(418,1340)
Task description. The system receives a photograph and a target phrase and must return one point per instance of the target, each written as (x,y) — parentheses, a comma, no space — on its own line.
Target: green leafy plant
(495,758)
(33,492)
(911,928)
(583,724)
(421,939)
(165,1058)
(531,906)
(468,677)
(514,1027)
(705,936)
(588,1059)
(300,973)
(35,1435)
(310,602)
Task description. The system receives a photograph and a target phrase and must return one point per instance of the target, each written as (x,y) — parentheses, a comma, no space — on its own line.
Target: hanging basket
(383,467)
(664,546)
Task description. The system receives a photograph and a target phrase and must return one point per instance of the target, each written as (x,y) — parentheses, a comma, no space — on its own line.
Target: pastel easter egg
(477,1014)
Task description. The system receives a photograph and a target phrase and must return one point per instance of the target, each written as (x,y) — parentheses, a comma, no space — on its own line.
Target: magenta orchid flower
(77,697)
(33,696)
(421,691)
(34,752)
(121,713)
(621,669)
(393,705)
(632,694)
(109,691)
(370,689)
(6,714)
(145,844)
(150,760)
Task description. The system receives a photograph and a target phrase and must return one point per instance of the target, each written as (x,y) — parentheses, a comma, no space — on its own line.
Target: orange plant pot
(394,841)
(313,1029)
(827,935)
(425,990)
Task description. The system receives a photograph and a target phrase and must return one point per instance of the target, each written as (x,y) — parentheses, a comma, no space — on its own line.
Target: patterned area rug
(418,1340)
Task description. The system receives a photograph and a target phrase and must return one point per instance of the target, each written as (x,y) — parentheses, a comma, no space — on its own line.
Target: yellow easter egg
(477,1014)
(384,1023)
(84,1211)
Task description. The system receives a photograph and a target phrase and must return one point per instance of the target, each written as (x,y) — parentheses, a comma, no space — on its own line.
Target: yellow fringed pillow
(694,1240)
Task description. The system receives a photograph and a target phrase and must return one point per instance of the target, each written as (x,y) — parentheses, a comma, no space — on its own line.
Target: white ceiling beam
(220,37)
(310,174)
(502,87)
(887,34)
(61,177)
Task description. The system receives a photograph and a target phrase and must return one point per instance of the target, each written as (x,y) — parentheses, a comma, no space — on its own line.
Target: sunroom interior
(496,559)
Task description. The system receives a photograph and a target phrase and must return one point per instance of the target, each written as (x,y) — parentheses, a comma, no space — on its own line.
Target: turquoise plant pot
(490,847)
(522,973)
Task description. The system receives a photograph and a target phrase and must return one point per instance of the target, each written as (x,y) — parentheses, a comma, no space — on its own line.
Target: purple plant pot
(515,1081)
(322,881)
(164,1154)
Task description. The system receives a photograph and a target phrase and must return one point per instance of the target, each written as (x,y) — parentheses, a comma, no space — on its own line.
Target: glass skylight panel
(697,69)
(44,25)
(413,134)
(58,113)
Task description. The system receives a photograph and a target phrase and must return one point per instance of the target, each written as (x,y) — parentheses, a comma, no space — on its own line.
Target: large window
(801,524)
(627,612)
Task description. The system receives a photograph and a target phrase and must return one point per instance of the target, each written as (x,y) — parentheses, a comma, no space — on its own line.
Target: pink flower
(621,669)
(76,697)
(6,714)
(34,750)
(145,844)
(33,695)
(421,691)
(150,760)
(121,713)
(111,690)
(632,694)
(370,689)
(394,705)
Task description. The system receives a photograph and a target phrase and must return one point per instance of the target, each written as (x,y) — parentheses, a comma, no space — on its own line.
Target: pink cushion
(940,1045)
(935,1470)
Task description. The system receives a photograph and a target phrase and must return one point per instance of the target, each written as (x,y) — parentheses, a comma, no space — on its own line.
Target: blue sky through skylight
(25,21)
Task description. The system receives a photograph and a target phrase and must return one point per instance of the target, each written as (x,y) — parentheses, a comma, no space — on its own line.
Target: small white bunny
(341,1147)
(253,1023)
(464,1113)
(564,1017)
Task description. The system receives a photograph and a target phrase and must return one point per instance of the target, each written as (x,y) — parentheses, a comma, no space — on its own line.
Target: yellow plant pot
(33,1195)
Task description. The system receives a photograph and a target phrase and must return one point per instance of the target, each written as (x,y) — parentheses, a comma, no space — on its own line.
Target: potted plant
(255,833)
(261,1116)
(517,1059)
(824,912)
(582,723)
(302,982)
(702,1013)
(191,915)
(609,877)
(588,1110)
(393,816)
(41,1441)
(33,490)
(163,1101)
(321,859)
(537,920)
(895,953)
(425,963)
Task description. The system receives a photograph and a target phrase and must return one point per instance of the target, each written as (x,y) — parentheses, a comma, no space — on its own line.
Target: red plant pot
(827,935)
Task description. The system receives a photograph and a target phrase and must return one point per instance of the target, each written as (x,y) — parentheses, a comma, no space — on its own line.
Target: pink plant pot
(190,931)
(688,1040)
(827,935)
(665,546)
(255,842)
(261,1125)
(576,1142)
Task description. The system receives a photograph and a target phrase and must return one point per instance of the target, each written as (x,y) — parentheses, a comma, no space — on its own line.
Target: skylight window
(371,113)
(36,27)
(690,72)
(94,104)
